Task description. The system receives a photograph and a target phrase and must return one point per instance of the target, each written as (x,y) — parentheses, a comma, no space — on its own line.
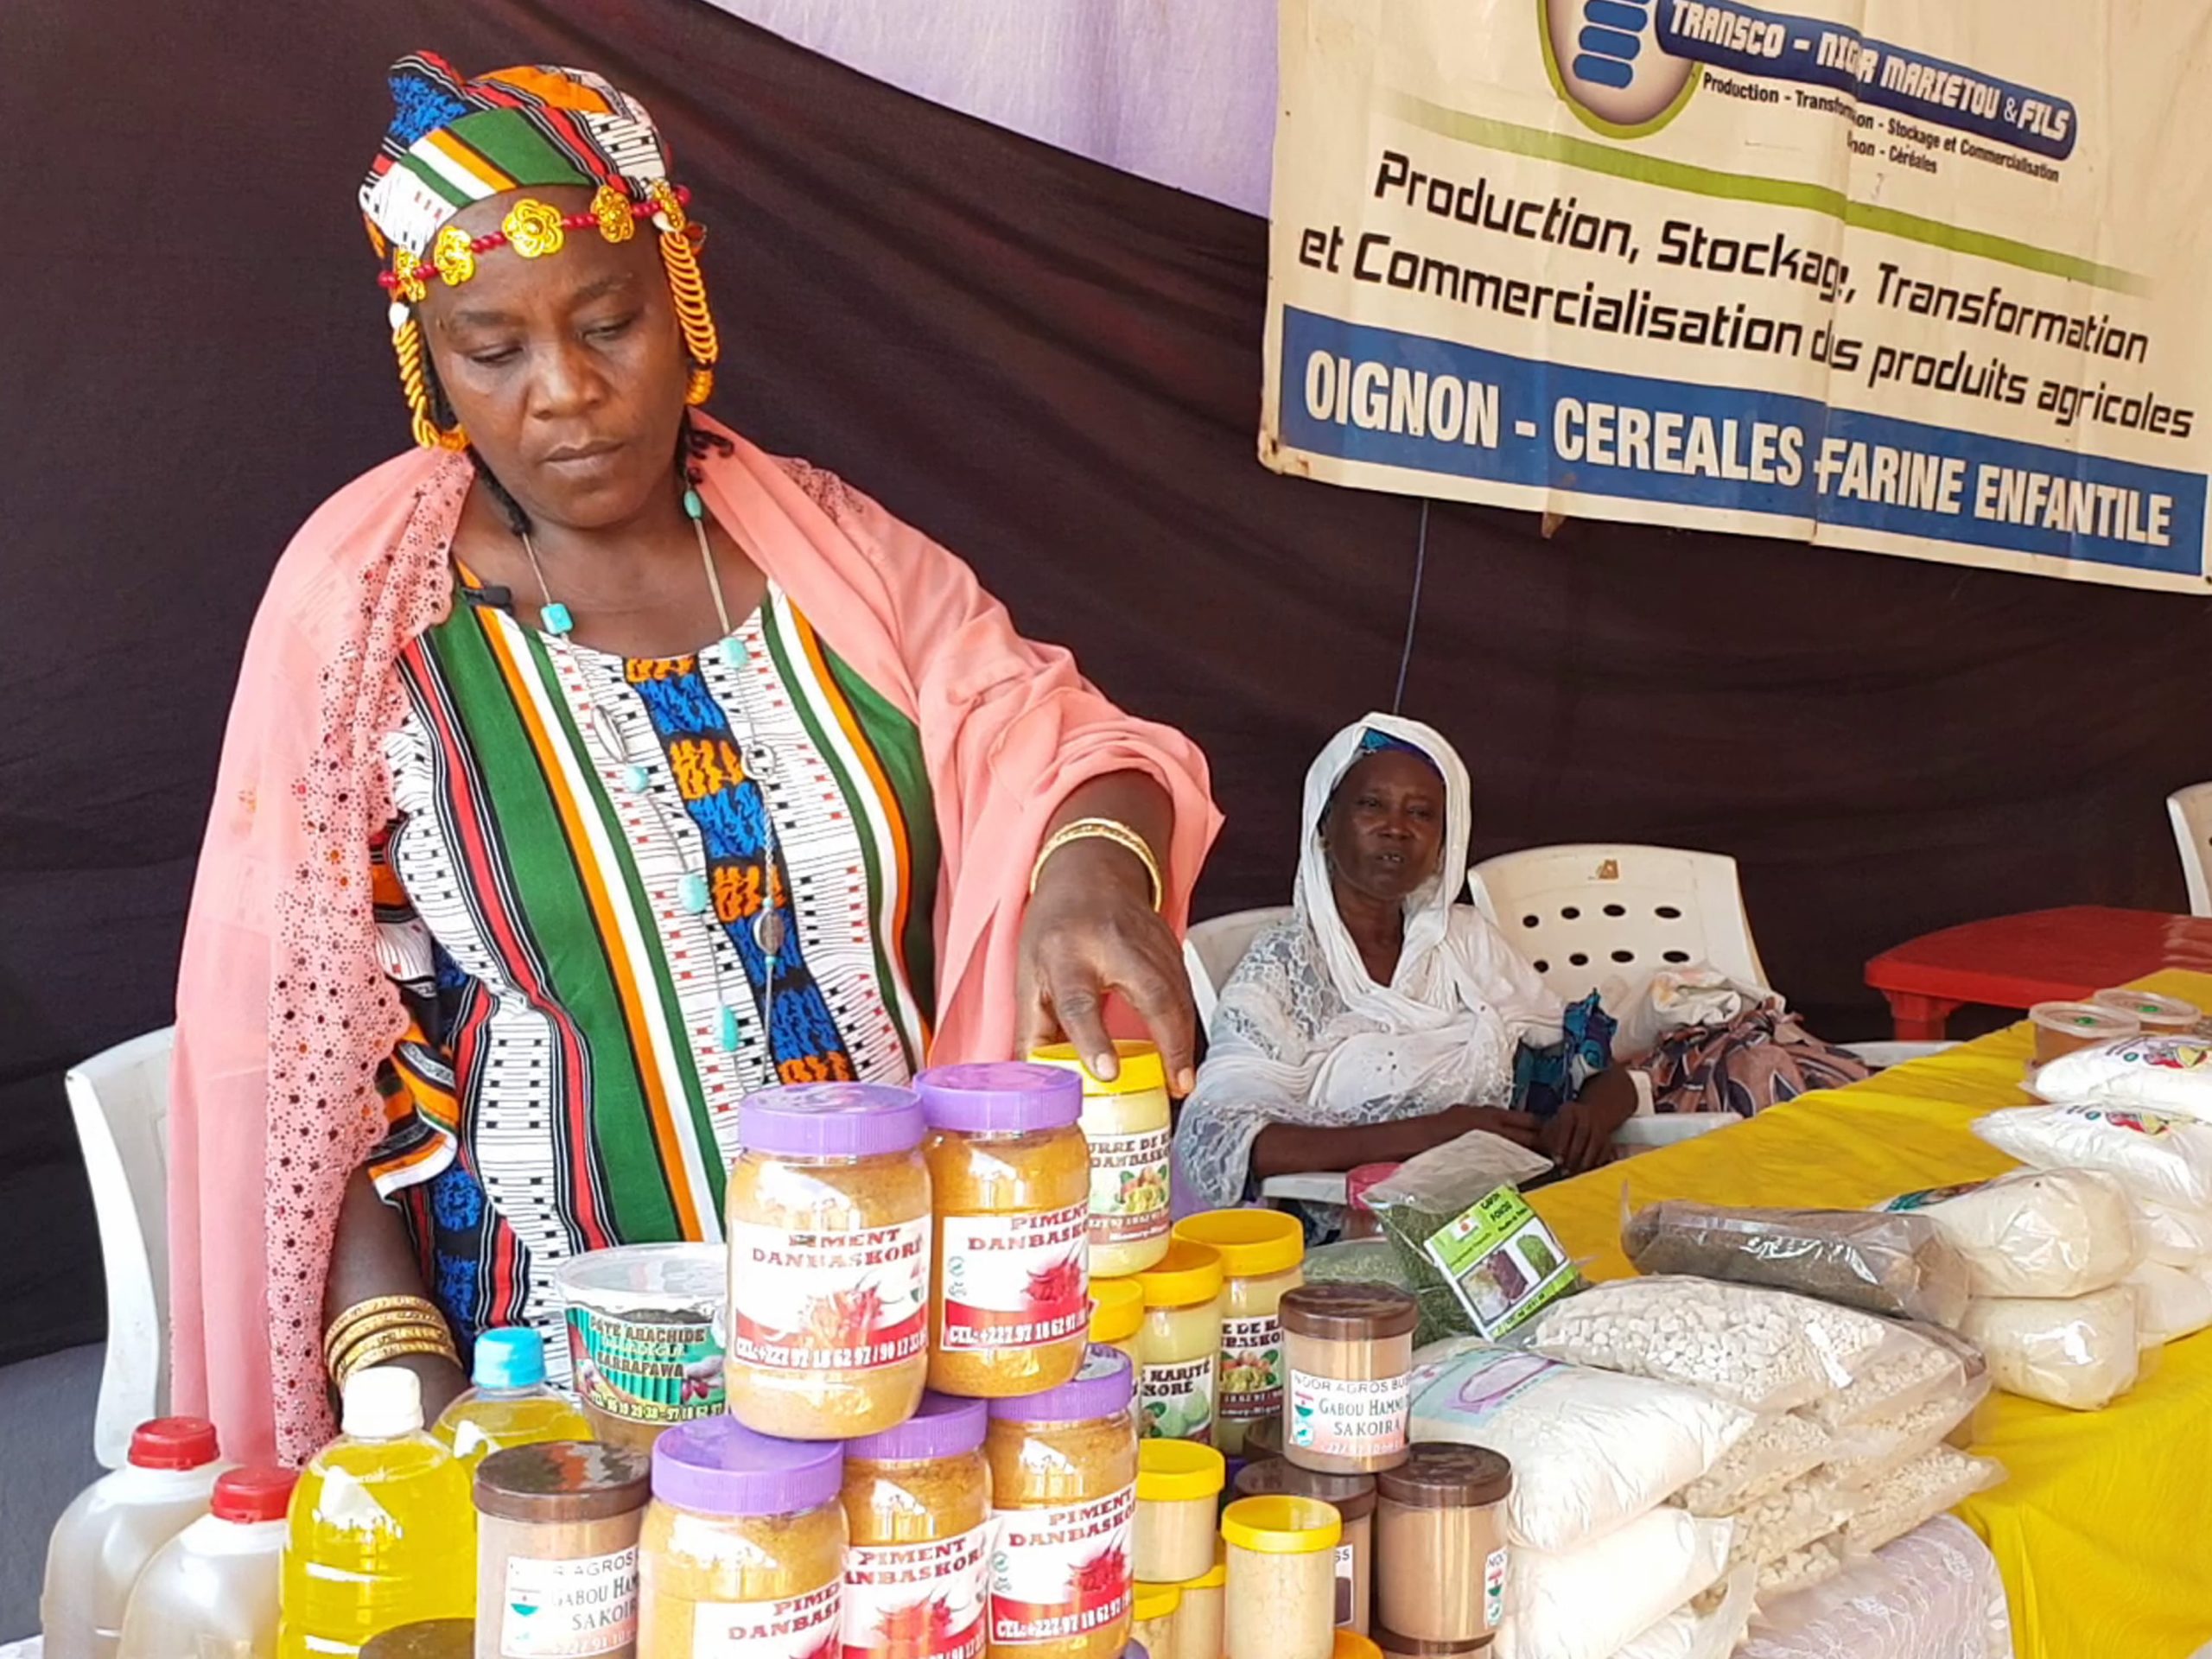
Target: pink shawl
(283,1010)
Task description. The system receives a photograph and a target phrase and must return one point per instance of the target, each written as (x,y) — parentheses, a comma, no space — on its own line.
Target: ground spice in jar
(829,1207)
(1198,1621)
(1352,1496)
(1440,1543)
(743,1547)
(1281,1595)
(1179,1497)
(1064,1480)
(1394,1646)
(557,1550)
(1260,1252)
(1127,1125)
(1179,1344)
(1348,1355)
(1156,1610)
(1010,1183)
(918,1511)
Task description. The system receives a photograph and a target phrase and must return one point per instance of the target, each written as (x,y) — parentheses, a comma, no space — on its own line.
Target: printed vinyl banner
(1918,279)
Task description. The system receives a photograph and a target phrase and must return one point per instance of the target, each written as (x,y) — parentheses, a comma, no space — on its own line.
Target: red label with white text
(1061,1571)
(790,1627)
(850,1301)
(1016,1281)
(916,1601)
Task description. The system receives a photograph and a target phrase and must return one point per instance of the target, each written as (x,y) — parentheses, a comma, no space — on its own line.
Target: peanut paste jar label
(789,1627)
(646,1368)
(849,1301)
(1015,1281)
(1128,1186)
(1061,1571)
(917,1601)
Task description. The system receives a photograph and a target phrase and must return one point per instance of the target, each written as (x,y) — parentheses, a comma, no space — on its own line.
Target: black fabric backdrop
(1052,366)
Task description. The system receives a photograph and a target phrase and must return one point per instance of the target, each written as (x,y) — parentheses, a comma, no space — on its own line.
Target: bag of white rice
(1589,1603)
(2077,1352)
(1764,1349)
(2153,1154)
(2178,1237)
(1922,1489)
(2170,1303)
(1591,1450)
(1776,1449)
(2036,1232)
(2160,1074)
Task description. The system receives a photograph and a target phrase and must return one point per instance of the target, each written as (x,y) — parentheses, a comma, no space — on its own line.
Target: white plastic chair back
(1213,947)
(1583,914)
(2191,812)
(120,1100)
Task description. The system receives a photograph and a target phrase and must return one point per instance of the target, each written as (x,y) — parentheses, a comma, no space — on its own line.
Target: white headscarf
(1348,1051)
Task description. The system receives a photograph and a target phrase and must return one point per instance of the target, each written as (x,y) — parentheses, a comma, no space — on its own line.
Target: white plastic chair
(1212,949)
(2191,812)
(120,1100)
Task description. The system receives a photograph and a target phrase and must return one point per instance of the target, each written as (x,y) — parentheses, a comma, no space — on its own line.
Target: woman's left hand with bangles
(1091,931)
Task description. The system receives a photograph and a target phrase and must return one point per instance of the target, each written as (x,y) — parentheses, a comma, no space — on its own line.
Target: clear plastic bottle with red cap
(210,1590)
(105,1539)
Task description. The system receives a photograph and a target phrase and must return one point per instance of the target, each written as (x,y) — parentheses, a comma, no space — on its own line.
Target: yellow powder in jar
(1064,1470)
(917,1509)
(743,1544)
(828,1224)
(1009,1300)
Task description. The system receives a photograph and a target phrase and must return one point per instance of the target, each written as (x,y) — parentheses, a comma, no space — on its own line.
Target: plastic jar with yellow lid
(918,1510)
(1179,1497)
(1155,1611)
(1260,1250)
(829,1206)
(1064,1494)
(1282,1578)
(743,1547)
(1010,1182)
(1352,1496)
(1116,1312)
(1126,1124)
(1198,1624)
(1179,1344)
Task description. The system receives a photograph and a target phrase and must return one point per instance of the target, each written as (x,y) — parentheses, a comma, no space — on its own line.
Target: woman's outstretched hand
(1091,931)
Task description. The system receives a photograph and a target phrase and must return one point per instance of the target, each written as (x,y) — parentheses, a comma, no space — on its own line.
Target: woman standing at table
(590,768)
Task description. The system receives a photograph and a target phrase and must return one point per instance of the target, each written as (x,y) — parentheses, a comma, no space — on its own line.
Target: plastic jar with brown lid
(1348,1359)
(428,1638)
(1063,1494)
(1010,1185)
(557,1549)
(918,1512)
(829,1206)
(1440,1543)
(1352,1496)
(1394,1646)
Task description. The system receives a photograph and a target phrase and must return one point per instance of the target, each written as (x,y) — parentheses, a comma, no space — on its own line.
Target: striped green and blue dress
(571,898)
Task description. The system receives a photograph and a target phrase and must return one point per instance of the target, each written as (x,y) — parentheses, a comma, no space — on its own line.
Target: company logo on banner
(1906,280)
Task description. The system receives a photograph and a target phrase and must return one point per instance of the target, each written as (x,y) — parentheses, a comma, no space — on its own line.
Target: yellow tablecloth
(2103,1528)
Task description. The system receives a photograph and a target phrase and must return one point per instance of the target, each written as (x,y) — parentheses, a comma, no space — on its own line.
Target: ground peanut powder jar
(1179,1500)
(1260,1251)
(557,1550)
(1348,1358)
(1352,1496)
(1064,1494)
(743,1548)
(1440,1543)
(1281,1594)
(1179,1344)
(1127,1125)
(829,1231)
(1010,1186)
(918,1512)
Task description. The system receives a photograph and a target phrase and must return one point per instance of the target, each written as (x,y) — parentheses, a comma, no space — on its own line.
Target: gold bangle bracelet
(395,1324)
(1103,829)
(385,1349)
(343,1324)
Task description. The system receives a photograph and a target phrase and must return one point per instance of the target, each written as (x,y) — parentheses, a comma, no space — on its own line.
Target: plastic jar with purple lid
(1010,1176)
(743,1543)
(828,1224)
(1064,1494)
(918,1512)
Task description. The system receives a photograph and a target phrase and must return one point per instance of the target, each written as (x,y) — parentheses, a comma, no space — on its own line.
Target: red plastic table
(2041,956)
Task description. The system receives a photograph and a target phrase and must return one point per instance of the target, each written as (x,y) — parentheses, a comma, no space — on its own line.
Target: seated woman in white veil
(1382,1019)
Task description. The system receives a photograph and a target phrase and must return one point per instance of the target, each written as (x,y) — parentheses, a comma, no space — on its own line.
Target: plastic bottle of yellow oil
(511,1404)
(382,1530)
